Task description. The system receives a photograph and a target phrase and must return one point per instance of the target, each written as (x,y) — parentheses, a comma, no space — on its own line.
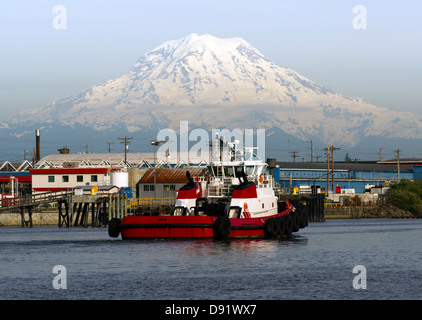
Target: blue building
(346,175)
(417,170)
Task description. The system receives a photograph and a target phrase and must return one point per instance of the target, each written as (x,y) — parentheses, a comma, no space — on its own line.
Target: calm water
(316,264)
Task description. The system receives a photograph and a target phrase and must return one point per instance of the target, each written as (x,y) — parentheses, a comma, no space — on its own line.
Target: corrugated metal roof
(402,161)
(171,175)
(117,159)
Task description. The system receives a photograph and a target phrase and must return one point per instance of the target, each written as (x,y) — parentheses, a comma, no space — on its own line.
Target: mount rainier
(212,83)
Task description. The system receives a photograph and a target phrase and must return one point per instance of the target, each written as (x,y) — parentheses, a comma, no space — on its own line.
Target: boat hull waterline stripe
(187,225)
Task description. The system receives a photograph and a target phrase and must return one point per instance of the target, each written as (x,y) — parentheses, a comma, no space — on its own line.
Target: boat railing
(151,202)
(264,181)
(224,187)
(220,190)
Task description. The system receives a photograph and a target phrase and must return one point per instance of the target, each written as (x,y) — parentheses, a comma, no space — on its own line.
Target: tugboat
(237,201)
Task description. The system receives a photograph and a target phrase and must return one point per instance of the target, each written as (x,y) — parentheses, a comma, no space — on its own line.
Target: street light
(155,144)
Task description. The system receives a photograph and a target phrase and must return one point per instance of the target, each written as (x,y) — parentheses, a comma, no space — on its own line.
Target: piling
(315,207)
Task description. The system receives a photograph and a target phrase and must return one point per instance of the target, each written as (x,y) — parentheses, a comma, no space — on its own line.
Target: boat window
(228,171)
(249,170)
(238,171)
(234,212)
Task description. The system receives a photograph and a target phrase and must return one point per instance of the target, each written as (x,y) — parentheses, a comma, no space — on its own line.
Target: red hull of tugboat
(143,227)
(139,227)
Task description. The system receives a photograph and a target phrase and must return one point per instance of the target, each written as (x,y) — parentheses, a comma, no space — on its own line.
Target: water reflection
(210,247)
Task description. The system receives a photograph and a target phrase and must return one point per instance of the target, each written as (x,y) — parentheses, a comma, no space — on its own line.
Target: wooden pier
(73,210)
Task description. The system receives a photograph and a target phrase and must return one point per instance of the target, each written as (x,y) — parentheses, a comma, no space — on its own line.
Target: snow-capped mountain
(213,82)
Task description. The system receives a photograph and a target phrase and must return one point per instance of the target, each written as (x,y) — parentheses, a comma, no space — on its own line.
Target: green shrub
(407,195)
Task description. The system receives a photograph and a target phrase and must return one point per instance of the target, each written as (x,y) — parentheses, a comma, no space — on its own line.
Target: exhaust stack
(37,144)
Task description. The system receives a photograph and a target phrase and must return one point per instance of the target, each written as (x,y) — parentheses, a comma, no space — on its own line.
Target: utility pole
(317,158)
(398,163)
(312,152)
(328,169)
(109,146)
(332,167)
(294,155)
(126,142)
(155,144)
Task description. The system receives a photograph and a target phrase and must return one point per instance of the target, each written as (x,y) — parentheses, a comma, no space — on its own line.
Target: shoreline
(50,217)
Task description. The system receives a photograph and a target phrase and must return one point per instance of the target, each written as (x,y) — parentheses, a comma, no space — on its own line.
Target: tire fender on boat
(221,227)
(296,221)
(271,228)
(288,221)
(114,227)
(282,226)
(302,222)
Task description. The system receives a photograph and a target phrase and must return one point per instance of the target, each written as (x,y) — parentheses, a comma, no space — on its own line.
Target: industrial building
(164,182)
(343,175)
(15,179)
(61,171)
(44,180)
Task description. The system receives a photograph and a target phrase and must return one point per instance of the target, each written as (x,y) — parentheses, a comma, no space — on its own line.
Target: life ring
(261,179)
(221,227)
(114,228)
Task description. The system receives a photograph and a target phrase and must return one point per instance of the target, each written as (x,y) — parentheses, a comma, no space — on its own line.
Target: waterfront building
(63,171)
(15,179)
(164,182)
(345,175)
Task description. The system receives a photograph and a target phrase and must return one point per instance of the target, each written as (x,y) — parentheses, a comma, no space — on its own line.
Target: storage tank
(120,179)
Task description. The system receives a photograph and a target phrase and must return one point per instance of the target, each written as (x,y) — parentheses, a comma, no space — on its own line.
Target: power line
(294,155)
(126,142)
(109,146)
(328,169)
(312,152)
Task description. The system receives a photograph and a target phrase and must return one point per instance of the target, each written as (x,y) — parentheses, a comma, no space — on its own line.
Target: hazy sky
(40,63)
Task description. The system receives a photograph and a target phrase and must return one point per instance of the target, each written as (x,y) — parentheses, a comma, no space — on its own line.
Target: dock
(73,210)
